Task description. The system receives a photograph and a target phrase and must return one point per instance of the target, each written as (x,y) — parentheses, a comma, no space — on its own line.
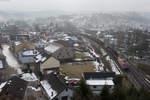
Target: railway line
(134,75)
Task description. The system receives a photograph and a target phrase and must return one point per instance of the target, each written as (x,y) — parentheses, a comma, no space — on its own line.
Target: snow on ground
(50,92)
(2,85)
(93,52)
(114,67)
(29,77)
(11,60)
(98,66)
(35,89)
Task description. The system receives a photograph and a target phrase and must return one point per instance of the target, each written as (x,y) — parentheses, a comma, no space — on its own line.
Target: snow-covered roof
(50,92)
(30,53)
(51,48)
(35,89)
(108,36)
(40,58)
(1,64)
(34,33)
(100,82)
(29,77)
(76,45)
(51,41)
(17,43)
(2,85)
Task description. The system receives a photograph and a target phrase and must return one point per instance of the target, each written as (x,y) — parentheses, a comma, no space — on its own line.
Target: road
(11,60)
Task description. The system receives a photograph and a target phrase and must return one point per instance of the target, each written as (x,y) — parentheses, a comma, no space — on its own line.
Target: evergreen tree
(118,80)
(105,95)
(118,94)
(144,95)
(83,92)
(132,94)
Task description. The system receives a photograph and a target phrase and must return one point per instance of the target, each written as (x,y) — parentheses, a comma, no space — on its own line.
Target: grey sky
(76,5)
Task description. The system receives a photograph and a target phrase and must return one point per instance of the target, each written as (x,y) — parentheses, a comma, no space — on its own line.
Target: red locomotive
(123,63)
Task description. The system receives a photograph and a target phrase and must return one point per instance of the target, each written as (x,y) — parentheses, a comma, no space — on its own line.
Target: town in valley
(74,56)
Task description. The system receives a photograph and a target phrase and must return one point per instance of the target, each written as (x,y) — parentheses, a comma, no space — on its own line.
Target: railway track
(139,77)
(135,76)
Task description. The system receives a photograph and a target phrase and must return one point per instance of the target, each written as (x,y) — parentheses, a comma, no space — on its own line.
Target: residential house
(50,65)
(4,38)
(31,59)
(68,43)
(19,46)
(65,54)
(27,56)
(55,88)
(97,80)
(14,88)
(19,37)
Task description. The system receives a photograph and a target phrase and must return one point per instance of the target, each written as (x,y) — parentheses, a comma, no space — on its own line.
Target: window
(94,87)
(109,86)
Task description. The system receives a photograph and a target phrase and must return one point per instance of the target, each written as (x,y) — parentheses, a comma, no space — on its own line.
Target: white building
(97,80)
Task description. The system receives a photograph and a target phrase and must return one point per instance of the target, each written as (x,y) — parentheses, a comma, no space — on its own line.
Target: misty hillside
(4,15)
(111,20)
(86,20)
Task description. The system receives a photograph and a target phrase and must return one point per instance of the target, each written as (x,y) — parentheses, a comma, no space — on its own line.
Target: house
(19,37)
(68,43)
(65,54)
(27,56)
(4,39)
(97,80)
(55,88)
(51,64)
(19,46)
(14,88)
(31,59)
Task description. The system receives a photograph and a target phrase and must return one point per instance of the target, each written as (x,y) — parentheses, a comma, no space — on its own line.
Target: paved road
(11,60)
